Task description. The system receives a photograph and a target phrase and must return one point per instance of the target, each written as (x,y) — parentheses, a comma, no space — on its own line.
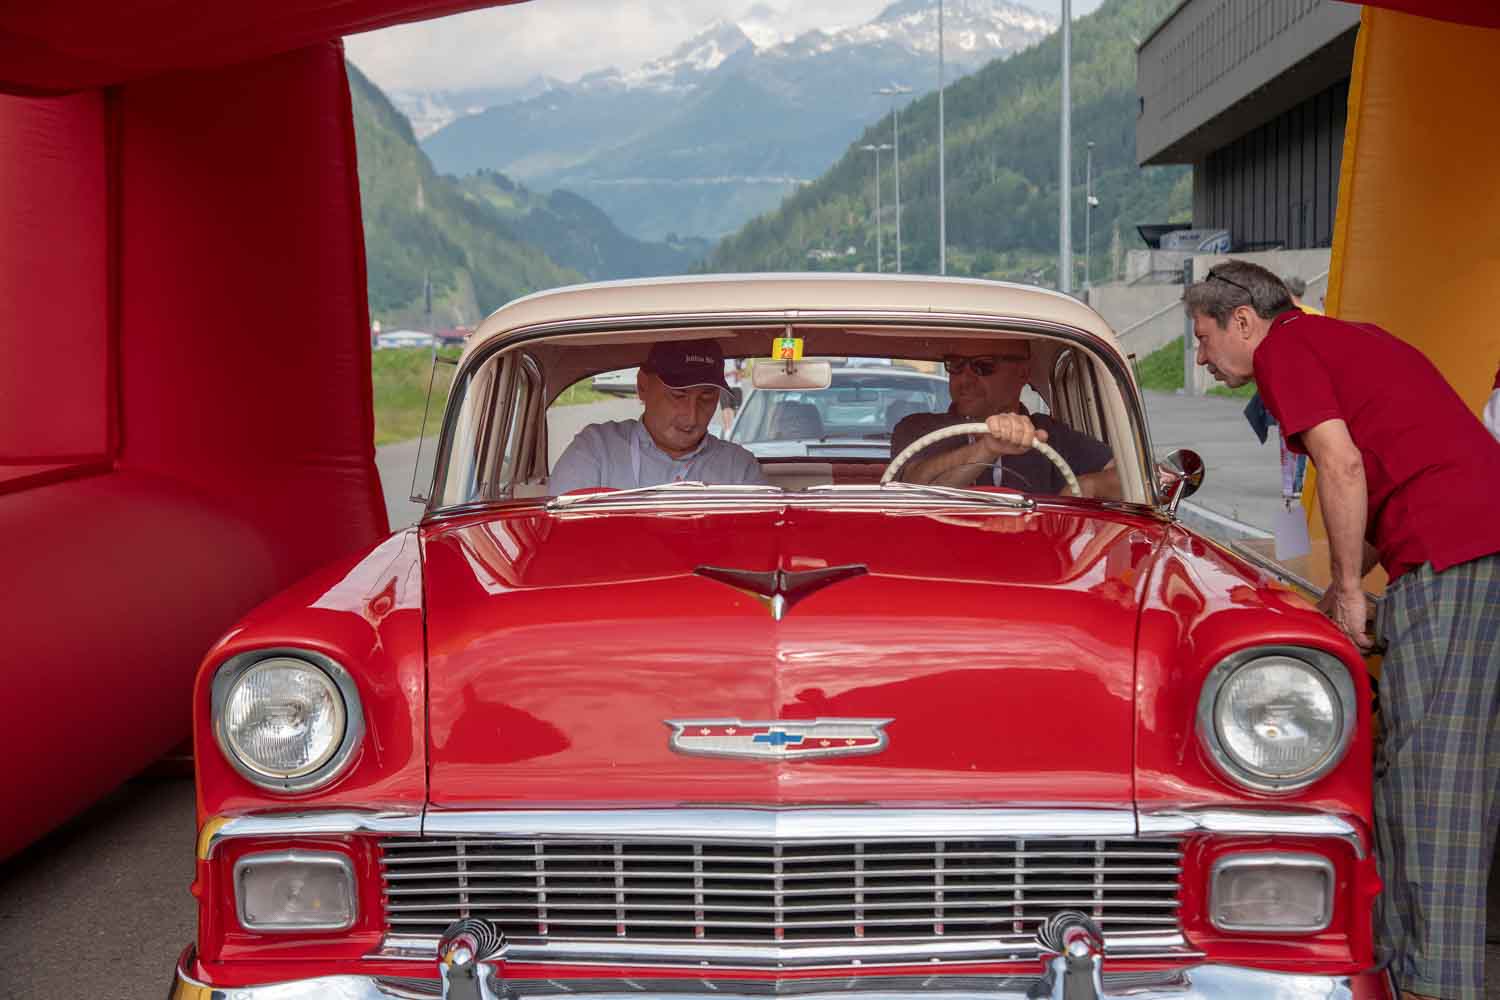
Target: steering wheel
(959,430)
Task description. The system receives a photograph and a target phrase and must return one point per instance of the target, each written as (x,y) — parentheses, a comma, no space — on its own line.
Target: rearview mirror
(792,374)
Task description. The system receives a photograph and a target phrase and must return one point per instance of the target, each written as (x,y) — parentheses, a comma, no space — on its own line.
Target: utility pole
(1065,169)
(1089,202)
(879,253)
(942,158)
(894,91)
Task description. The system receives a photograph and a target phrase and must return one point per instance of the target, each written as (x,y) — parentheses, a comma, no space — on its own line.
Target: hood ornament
(778,740)
(779,589)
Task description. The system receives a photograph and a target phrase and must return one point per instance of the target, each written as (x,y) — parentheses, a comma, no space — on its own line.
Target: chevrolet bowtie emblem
(778,740)
(781,588)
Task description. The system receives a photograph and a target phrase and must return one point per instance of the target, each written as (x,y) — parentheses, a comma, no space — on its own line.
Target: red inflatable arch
(185,418)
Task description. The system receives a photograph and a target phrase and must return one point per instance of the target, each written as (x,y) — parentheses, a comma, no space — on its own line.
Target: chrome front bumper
(1199,982)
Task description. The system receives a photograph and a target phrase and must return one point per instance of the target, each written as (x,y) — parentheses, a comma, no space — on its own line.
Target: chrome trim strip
(668,954)
(1198,982)
(1181,822)
(1280,860)
(785,825)
(307,824)
(734,825)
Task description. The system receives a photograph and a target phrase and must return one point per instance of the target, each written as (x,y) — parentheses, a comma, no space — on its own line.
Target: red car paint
(1049,658)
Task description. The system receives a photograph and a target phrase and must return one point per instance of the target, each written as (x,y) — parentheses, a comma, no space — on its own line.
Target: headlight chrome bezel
(1324,665)
(228,675)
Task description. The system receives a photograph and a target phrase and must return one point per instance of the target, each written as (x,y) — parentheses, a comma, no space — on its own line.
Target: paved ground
(100,908)
(1243,479)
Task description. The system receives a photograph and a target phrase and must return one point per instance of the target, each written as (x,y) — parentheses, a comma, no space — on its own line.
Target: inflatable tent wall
(185,416)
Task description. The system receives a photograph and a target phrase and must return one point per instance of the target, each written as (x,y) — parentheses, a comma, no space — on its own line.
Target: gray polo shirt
(622,455)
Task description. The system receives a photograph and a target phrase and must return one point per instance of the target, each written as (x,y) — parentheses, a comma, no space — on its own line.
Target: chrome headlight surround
(233,670)
(1324,668)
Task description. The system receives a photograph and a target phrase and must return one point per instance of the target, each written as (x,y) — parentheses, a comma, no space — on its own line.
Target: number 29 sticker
(786,349)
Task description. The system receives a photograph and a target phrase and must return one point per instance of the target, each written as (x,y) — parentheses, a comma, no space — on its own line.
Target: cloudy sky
(567,38)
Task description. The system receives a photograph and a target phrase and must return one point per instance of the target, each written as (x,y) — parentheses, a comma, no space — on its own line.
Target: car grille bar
(778,893)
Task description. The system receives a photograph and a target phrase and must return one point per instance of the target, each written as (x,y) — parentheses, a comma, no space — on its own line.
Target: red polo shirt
(1432,470)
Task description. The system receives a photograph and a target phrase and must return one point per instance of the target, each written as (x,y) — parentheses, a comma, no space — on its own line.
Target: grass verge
(400,378)
(1161,371)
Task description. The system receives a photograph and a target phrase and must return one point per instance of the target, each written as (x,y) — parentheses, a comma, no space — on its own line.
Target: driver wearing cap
(680,386)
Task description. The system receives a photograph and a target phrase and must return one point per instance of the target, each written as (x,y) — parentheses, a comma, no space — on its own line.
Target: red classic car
(840,734)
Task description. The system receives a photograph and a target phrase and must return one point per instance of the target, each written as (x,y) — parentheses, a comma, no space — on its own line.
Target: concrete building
(1253,94)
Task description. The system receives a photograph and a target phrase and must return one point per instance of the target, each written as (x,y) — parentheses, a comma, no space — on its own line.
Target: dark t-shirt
(1032,471)
(1431,469)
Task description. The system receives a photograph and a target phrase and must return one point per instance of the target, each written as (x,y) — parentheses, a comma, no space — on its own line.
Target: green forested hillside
(576,233)
(417,222)
(1002,149)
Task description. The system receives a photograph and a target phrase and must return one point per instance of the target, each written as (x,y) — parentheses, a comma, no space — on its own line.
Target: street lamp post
(942,158)
(894,92)
(1089,203)
(1065,172)
(879,254)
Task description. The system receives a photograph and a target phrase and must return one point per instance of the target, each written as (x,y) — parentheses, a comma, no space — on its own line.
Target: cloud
(508,45)
(565,38)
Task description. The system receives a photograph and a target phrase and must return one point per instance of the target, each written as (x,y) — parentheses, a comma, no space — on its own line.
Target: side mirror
(792,375)
(1179,475)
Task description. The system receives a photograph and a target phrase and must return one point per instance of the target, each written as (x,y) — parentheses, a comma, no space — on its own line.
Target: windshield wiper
(1015,501)
(688,485)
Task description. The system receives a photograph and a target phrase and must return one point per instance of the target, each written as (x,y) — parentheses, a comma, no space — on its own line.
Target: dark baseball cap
(687,364)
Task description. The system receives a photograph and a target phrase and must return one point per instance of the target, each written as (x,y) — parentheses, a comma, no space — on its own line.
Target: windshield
(853,417)
(548,420)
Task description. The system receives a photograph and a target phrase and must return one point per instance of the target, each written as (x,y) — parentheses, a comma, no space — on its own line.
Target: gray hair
(1295,285)
(1236,283)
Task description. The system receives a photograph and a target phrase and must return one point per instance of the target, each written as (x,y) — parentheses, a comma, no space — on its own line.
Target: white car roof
(759,293)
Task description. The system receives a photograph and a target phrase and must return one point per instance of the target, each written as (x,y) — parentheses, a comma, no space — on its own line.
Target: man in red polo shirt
(1492,408)
(1402,463)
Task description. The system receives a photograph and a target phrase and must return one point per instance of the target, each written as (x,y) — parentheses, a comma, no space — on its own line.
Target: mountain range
(1002,170)
(729,123)
(476,243)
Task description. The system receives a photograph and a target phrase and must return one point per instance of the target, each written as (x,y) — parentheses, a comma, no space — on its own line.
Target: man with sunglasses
(986,387)
(1402,462)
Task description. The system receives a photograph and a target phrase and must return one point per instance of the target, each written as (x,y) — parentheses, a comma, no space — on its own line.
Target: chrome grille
(829,892)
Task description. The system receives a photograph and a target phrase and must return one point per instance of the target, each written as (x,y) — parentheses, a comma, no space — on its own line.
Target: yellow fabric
(1417,238)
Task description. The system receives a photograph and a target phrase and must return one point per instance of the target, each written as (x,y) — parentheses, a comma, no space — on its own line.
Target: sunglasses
(983,365)
(1212,275)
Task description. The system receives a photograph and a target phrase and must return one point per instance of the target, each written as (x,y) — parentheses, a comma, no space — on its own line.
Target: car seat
(796,422)
(899,409)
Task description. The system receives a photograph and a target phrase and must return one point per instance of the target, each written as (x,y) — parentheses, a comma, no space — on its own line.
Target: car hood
(994,649)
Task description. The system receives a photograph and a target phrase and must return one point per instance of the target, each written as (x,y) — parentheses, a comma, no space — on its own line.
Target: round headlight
(284,721)
(1277,720)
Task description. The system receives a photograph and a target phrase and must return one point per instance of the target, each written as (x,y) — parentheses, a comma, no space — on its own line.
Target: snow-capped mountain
(430,110)
(702,139)
(684,68)
(975,31)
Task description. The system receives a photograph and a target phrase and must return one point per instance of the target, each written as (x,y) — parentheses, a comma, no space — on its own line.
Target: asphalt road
(100,908)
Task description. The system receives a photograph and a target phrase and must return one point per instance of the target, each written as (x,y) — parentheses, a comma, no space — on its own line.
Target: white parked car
(852,418)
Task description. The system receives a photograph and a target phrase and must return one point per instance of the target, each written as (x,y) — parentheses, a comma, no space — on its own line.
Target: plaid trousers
(1437,775)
